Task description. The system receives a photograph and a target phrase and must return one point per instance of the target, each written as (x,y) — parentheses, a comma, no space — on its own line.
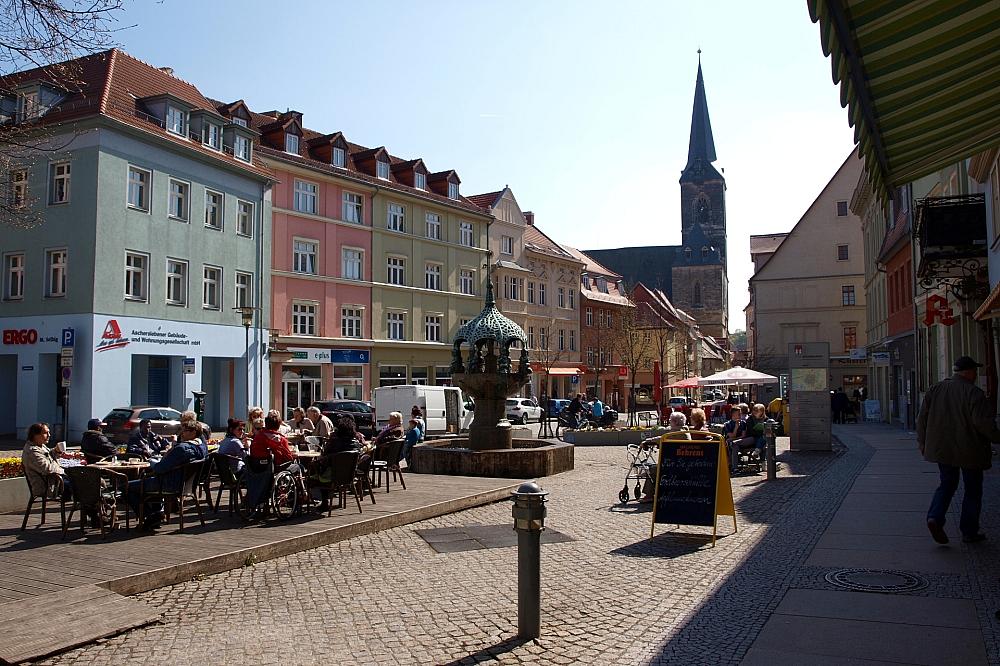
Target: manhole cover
(876,580)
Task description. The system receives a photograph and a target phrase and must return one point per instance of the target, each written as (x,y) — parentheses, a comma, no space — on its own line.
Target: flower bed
(10,468)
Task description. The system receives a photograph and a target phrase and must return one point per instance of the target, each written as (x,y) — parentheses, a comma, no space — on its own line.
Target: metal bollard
(529,521)
(772,467)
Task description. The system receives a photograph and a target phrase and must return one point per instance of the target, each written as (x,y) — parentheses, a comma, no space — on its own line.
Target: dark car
(123,421)
(556,405)
(360,411)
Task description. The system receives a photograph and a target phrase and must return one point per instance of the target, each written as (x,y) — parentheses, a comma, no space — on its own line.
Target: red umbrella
(690,382)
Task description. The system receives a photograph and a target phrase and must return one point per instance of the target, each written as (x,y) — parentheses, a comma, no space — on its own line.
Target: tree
(48,34)
(738,340)
(547,354)
(598,338)
(632,345)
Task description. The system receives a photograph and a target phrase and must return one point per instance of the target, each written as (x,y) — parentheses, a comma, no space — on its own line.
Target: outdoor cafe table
(129,469)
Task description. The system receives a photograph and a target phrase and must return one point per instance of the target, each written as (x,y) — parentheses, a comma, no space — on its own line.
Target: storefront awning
(921,80)
(539,368)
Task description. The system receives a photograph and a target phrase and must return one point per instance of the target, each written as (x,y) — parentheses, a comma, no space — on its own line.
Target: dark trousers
(972,503)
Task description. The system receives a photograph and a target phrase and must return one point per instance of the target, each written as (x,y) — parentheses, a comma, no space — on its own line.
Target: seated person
(203,430)
(678,423)
(575,410)
(417,415)
(392,430)
(755,427)
(94,443)
(267,442)
(322,425)
(734,431)
(145,443)
(300,422)
(343,439)
(232,446)
(413,435)
(167,474)
(38,461)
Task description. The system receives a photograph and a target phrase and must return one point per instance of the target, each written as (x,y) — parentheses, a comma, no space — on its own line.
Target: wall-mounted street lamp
(276,351)
(247,313)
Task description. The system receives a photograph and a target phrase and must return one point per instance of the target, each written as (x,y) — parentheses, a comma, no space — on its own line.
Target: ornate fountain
(488,376)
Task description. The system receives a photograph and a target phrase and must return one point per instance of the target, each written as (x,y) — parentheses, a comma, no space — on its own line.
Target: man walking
(954,429)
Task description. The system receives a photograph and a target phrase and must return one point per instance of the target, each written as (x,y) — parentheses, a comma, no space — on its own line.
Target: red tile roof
(535,239)
(112,84)
(486,200)
(590,265)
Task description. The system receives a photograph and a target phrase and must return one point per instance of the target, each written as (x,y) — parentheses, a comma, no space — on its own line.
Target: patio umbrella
(690,382)
(737,375)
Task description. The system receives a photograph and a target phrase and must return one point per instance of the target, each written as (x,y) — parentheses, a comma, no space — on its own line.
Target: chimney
(529,217)
(167,70)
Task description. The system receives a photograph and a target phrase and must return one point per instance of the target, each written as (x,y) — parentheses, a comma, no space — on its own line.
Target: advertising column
(809,395)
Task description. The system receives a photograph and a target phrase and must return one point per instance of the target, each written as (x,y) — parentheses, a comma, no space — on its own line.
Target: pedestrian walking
(955,427)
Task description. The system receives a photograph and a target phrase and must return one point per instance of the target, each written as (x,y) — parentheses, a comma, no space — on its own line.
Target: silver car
(522,410)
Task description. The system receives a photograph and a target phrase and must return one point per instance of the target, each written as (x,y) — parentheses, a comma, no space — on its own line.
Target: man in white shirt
(322,425)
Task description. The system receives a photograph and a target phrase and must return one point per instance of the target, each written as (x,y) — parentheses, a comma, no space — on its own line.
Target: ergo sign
(24,336)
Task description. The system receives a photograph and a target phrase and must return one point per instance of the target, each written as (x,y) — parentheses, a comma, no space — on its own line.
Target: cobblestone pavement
(613,595)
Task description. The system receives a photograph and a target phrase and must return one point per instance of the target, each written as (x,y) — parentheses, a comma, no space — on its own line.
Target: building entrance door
(158,381)
(300,389)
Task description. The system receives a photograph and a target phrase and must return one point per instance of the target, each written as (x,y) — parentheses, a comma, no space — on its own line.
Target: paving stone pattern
(612,595)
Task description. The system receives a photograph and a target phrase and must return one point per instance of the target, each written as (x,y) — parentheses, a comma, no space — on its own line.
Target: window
(572,299)
(396,218)
(420,180)
(452,190)
(506,245)
(847,295)
(339,157)
(303,318)
(136,276)
(211,288)
(432,276)
(610,317)
(395,270)
(244,218)
(541,293)
(382,169)
(28,106)
(842,253)
(176,121)
(13,277)
(238,121)
(602,285)
(543,337)
(850,338)
(467,281)
(18,197)
(589,313)
(304,256)
(177,204)
(841,209)
(531,337)
(572,340)
(213,209)
(241,148)
(350,322)
(177,282)
(55,271)
(531,292)
(513,288)
(244,289)
(432,328)
(687,253)
(305,197)
(350,263)
(603,318)
(395,325)
(696,300)
(59,182)
(561,297)
(704,252)
(465,234)
(353,208)
(292,144)
(138,188)
(211,136)
(433,226)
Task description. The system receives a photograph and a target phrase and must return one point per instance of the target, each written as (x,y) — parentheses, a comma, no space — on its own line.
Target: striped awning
(920,80)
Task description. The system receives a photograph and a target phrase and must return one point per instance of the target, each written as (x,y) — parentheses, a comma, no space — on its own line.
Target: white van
(443,406)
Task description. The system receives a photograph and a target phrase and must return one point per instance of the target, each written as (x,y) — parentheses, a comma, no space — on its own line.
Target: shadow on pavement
(490,653)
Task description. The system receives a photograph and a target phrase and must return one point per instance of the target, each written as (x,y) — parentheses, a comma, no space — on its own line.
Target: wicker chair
(386,461)
(96,493)
(53,491)
(153,489)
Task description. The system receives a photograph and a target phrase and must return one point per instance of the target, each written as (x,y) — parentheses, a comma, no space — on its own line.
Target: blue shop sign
(349,356)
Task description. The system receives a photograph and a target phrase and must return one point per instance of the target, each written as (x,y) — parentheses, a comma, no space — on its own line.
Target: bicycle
(564,421)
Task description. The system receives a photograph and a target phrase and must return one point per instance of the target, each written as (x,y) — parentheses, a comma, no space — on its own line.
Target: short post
(529,521)
(772,467)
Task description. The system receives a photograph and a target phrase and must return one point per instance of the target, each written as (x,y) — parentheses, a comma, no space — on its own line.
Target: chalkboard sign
(692,481)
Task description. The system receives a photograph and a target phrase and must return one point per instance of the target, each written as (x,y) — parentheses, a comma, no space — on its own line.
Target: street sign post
(189,366)
(66,374)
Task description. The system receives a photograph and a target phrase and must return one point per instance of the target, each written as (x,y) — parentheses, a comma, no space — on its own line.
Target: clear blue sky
(583,108)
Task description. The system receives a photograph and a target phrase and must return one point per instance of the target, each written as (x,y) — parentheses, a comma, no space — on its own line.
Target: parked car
(522,410)
(556,405)
(443,406)
(360,411)
(678,403)
(123,421)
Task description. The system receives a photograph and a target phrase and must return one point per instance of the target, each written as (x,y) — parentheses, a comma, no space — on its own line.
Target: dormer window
(292,144)
(241,148)
(212,136)
(687,253)
(27,106)
(176,121)
(452,190)
(704,252)
(239,121)
(339,157)
(382,169)
(420,180)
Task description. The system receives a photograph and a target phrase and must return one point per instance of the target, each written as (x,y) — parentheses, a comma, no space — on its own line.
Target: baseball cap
(966,363)
(94,424)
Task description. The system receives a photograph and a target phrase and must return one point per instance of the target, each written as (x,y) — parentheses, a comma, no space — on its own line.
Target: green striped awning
(920,80)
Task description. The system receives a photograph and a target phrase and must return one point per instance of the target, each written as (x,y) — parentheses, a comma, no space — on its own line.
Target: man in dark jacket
(144,442)
(167,474)
(94,443)
(955,427)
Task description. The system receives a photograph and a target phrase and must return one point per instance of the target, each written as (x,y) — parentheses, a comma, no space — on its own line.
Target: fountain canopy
(490,336)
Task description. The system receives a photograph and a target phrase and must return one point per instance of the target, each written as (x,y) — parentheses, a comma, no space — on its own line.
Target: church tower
(700,283)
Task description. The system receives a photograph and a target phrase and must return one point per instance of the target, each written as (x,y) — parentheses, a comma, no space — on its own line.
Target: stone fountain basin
(527,459)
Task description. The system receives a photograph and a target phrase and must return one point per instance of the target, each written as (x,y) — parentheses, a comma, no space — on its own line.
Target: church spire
(701,146)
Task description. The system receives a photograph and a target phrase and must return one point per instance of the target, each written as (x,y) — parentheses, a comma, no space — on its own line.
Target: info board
(692,481)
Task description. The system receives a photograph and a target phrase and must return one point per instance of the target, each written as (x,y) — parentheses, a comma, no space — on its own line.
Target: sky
(583,108)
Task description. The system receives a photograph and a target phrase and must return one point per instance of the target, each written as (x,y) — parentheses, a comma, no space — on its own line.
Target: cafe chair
(362,477)
(227,481)
(53,491)
(96,494)
(343,465)
(175,485)
(389,464)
